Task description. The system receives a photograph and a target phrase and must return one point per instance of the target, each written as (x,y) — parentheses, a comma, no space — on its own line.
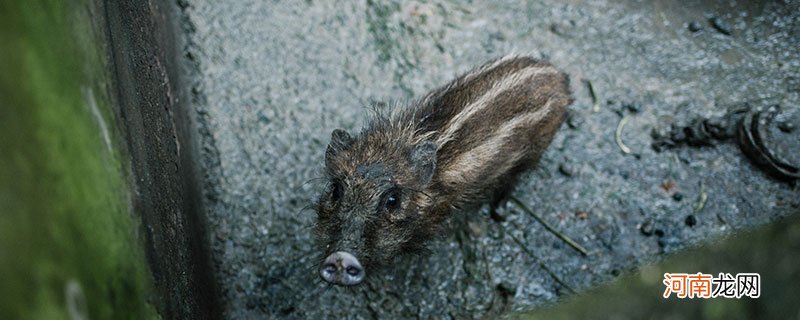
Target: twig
(618,136)
(595,103)
(541,264)
(550,228)
(701,199)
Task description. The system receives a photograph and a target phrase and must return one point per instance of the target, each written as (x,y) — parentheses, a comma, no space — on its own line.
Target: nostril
(328,272)
(329,268)
(353,271)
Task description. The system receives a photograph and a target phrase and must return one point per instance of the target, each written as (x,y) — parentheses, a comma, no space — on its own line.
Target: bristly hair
(397,121)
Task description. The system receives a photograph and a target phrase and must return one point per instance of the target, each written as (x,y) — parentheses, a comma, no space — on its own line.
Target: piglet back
(491,123)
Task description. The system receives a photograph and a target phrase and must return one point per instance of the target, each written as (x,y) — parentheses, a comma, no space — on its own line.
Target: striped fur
(485,127)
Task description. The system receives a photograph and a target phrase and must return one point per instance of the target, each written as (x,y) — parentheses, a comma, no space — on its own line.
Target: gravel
(273,79)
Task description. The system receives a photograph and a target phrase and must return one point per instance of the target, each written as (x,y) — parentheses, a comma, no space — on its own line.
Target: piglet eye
(336,191)
(392,200)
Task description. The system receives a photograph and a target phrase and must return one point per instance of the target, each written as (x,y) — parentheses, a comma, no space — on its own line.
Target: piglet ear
(340,140)
(423,161)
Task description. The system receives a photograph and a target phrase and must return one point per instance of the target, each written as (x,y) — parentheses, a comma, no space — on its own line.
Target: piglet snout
(342,268)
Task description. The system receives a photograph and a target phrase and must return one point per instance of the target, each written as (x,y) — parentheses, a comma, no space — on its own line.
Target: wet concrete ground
(273,80)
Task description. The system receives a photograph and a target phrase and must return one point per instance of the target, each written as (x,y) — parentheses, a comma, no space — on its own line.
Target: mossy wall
(770,251)
(68,235)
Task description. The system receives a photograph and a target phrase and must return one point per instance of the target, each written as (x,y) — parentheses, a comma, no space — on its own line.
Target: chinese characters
(701,285)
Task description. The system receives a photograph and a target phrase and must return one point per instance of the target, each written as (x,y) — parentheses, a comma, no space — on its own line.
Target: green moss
(770,251)
(67,233)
